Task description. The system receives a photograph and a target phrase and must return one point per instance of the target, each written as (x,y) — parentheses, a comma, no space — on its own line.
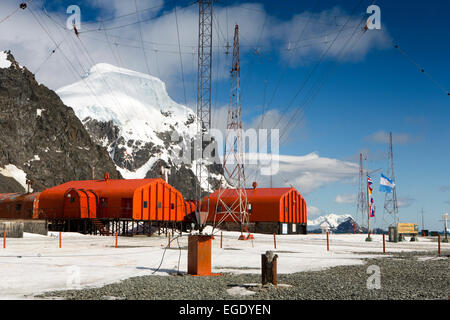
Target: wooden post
(4,239)
(60,239)
(116,239)
(328,240)
(384,243)
(439,244)
(169,239)
(221,236)
(274,241)
(269,268)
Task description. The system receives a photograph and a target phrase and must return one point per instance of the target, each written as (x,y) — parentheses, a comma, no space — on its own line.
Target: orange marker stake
(384,243)
(60,239)
(328,241)
(169,239)
(221,235)
(4,239)
(116,239)
(274,241)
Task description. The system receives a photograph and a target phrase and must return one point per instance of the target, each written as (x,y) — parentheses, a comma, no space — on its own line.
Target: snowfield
(36,264)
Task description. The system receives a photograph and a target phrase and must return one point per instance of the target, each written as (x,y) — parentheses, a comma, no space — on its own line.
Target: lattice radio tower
(205,33)
(362,202)
(233,160)
(390,212)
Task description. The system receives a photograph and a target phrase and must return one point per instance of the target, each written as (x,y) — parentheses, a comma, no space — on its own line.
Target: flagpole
(368,208)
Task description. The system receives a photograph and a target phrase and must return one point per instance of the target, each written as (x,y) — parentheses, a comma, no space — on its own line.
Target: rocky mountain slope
(143,129)
(41,139)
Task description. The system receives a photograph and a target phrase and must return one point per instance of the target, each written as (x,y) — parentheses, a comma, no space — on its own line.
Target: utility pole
(361,205)
(423,224)
(390,200)
(205,33)
(233,162)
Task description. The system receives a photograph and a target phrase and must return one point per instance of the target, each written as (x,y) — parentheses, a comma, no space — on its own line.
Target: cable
(164,253)
(421,69)
(48,57)
(181,58)
(140,35)
(22,6)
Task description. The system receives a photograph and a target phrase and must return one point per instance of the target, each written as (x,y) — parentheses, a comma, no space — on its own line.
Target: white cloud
(306,173)
(405,202)
(383,137)
(321,31)
(313,211)
(31,45)
(345,198)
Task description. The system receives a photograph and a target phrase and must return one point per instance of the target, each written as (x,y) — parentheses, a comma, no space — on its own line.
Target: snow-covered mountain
(132,115)
(41,139)
(333,220)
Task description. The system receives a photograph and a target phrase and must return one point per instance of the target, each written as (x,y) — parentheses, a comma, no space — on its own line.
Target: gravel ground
(403,276)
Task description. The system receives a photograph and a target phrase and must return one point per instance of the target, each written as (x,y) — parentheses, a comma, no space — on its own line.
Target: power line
(22,6)
(181,58)
(441,87)
(140,35)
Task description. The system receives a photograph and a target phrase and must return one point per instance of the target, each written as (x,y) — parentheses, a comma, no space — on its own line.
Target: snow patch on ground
(12,171)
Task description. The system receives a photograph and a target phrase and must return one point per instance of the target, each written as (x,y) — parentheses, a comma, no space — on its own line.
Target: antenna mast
(390,200)
(362,204)
(233,162)
(203,101)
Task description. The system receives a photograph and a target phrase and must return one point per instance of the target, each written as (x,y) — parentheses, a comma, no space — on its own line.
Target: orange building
(18,206)
(143,199)
(271,210)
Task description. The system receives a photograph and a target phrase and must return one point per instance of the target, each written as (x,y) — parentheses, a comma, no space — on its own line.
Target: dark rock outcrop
(42,136)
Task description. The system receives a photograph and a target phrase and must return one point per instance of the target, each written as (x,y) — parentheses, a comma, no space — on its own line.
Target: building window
(145,204)
(103,203)
(249,207)
(18,207)
(219,209)
(159,205)
(172,206)
(72,199)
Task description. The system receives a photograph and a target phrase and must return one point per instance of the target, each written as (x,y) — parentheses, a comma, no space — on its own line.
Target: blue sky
(373,91)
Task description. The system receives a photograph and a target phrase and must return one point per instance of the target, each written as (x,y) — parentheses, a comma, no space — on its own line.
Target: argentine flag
(386,184)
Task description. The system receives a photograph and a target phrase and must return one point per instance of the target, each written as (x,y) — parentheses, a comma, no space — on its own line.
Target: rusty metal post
(439,244)
(60,239)
(221,236)
(4,239)
(169,239)
(274,241)
(328,240)
(269,268)
(116,238)
(384,243)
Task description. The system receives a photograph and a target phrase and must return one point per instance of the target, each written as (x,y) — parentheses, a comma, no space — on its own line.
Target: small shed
(270,209)
(133,199)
